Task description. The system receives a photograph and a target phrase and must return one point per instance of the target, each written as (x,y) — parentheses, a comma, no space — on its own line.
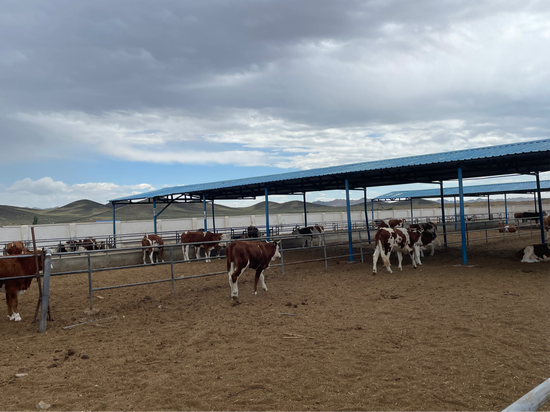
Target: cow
(196,239)
(533,253)
(152,244)
(528,216)
(398,240)
(16,248)
(88,244)
(428,237)
(503,227)
(24,265)
(254,254)
(547,226)
(311,233)
(391,223)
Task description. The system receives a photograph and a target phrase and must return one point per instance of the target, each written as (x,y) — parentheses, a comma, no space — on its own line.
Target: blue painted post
(489,206)
(114,226)
(540,210)
(350,237)
(412,217)
(456,219)
(266,214)
(305,211)
(366,212)
(204,211)
(462,217)
(213,217)
(372,208)
(443,214)
(155,216)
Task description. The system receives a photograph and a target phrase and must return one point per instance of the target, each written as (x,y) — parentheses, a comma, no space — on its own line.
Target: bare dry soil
(445,336)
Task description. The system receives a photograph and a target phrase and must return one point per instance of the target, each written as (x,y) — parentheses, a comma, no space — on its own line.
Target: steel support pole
(155,216)
(305,210)
(204,211)
(541,220)
(266,214)
(348,209)
(366,212)
(213,218)
(505,209)
(462,217)
(114,227)
(443,214)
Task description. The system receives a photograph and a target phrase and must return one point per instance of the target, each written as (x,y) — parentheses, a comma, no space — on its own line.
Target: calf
(429,237)
(152,244)
(502,227)
(14,267)
(398,240)
(311,233)
(547,226)
(255,254)
(534,253)
(206,240)
(16,248)
(88,244)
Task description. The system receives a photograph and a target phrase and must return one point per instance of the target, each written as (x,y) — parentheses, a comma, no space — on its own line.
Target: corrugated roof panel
(448,157)
(474,190)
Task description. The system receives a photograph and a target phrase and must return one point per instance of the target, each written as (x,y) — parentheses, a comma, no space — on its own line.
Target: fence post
(533,400)
(45,292)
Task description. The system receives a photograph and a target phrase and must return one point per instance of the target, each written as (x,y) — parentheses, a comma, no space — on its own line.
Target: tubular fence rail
(332,243)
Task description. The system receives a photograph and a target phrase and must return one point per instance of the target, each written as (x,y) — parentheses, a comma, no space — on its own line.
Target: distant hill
(89,211)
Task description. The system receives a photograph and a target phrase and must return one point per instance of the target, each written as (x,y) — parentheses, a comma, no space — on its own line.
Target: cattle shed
(474,190)
(524,158)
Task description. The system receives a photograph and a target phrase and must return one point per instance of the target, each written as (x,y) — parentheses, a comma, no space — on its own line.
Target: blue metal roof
(524,157)
(474,190)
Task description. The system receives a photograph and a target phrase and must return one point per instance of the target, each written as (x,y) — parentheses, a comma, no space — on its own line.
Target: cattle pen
(332,336)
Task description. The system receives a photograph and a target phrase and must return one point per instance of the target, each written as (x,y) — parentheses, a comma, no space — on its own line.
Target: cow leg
(386,260)
(400,260)
(375,256)
(259,276)
(152,256)
(234,273)
(161,252)
(529,255)
(144,256)
(12,301)
(415,256)
(207,253)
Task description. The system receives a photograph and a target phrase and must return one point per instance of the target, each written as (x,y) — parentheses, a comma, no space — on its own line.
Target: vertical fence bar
(46,292)
(90,279)
(172,268)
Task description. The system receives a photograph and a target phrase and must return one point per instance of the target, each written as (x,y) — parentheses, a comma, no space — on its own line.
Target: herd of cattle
(392,236)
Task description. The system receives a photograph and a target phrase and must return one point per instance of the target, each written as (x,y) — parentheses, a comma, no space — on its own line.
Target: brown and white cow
(16,248)
(547,226)
(13,288)
(503,227)
(207,240)
(429,237)
(397,240)
(391,223)
(254,254)
(152,244)
(534,253)
(311,233)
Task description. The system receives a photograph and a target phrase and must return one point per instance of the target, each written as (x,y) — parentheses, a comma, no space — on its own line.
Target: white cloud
(47,193)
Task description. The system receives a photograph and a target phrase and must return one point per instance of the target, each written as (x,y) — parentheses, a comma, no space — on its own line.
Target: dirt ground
(442,337)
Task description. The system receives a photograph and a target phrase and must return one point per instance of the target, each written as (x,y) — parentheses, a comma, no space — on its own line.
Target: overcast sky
(103,99)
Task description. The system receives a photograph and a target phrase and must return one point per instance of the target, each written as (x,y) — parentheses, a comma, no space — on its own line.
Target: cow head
(277,253)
